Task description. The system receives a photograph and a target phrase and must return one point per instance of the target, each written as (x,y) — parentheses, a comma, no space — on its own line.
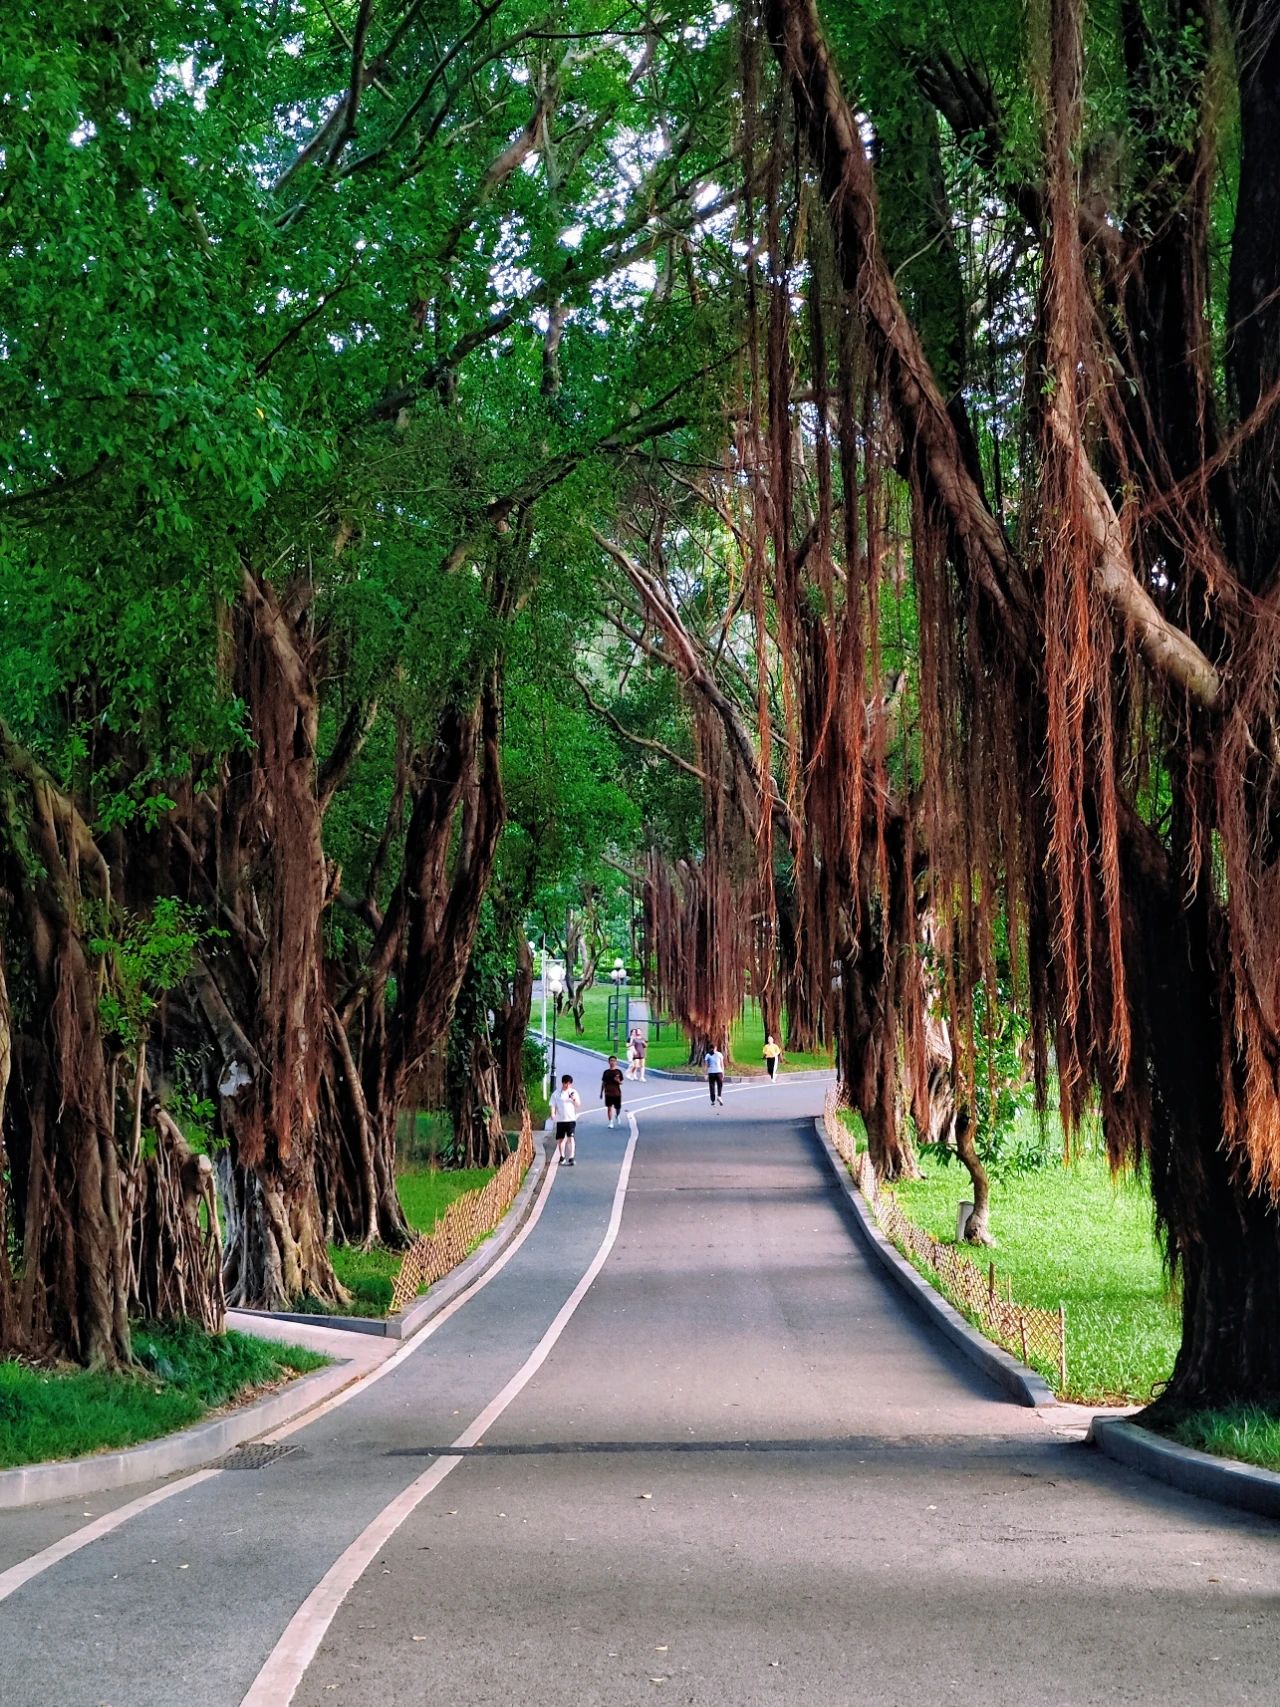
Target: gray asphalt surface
(743,1475)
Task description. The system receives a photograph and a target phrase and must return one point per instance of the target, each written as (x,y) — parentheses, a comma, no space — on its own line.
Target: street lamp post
(553,986)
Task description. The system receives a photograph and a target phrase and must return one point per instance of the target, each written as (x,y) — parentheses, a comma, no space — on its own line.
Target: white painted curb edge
(1246,1486)
(1021,1383)
(70,1478)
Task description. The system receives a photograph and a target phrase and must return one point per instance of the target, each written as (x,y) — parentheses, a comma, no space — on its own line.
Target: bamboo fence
(466,1221)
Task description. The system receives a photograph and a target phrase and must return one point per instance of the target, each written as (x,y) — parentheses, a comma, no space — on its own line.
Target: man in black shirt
(611,1091)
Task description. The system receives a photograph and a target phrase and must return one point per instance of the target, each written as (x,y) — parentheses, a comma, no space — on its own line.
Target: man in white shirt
(566,1106)
(713,1061)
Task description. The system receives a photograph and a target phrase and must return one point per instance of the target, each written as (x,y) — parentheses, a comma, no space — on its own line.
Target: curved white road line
(14,1578)
(277,1682)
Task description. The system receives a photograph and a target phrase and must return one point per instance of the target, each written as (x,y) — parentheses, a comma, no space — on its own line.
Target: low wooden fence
(467,1220)
(1037,1336)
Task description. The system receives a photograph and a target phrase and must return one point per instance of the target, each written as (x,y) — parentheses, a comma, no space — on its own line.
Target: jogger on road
(611,1091)
(713,1061)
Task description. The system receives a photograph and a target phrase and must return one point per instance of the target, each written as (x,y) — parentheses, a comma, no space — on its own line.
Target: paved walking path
(714,1464)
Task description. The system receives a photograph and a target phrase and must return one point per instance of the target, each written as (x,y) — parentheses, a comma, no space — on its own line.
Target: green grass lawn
(183,1375)
(671,1050)
(1073,1236)
(1245,1432)
(747,1042)
(370,1275)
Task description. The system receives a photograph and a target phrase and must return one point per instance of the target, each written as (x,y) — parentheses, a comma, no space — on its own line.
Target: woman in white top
(713,1061)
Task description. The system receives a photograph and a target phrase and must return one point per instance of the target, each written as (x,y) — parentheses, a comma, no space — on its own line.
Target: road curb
(694,1075)
(415,1316)
(1226,1481)
(1021,1383)
(188,1449)
(603,1055)
(191,1448)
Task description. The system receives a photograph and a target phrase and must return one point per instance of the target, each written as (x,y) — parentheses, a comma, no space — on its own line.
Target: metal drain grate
(256,1456)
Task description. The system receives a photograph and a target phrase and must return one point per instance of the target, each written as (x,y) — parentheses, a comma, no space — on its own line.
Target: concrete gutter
(190,1448)
(1022,1384)
(1248,1487)
(414,1317)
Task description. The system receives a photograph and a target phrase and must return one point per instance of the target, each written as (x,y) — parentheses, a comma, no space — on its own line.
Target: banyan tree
(299,363)
(1093,557)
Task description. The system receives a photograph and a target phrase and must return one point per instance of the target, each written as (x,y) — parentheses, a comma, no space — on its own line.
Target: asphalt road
(685,1446)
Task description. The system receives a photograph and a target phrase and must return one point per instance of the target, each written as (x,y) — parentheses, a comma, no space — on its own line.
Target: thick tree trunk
(8,1301)
(263,998)
(428,933)
(1222,1233)
(869,1058)
(275,1252)
(175,1239)
(1230,1350)
(511,1030)
(804,1021)
(72,1294)
(84,1219)
(477,1125)
(356,1156)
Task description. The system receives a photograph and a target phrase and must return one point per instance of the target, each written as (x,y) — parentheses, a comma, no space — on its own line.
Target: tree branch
(359,721)
(977,540)
(643,741)
(355,88)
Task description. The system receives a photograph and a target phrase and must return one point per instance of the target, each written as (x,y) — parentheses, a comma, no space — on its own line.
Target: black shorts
(565,1129)
(614,1102)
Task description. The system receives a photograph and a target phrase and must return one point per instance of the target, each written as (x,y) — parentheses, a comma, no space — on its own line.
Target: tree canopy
(473,471)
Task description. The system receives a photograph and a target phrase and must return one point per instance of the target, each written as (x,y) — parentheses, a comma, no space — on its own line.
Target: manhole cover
(256,1456)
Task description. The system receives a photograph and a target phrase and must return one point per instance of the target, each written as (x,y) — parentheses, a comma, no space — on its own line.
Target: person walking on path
(713,1061)
(772,1056)
(640,1044)
(631,1057)
(566,1106)
(611,1092)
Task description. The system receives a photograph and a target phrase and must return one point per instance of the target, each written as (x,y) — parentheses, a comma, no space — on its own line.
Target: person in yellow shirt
(772,1055)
